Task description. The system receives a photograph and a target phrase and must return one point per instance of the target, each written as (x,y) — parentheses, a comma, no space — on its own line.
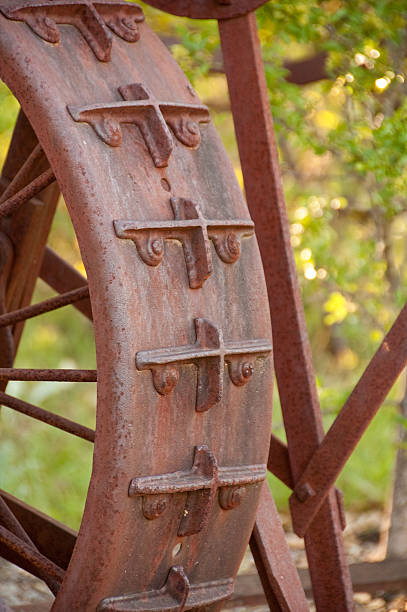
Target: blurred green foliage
(343,156)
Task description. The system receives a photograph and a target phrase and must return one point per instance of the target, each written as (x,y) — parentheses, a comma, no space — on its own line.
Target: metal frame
(151,162)
(311,461)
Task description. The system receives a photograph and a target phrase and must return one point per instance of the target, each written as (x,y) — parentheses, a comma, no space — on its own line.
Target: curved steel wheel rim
(207,9)
(107,274)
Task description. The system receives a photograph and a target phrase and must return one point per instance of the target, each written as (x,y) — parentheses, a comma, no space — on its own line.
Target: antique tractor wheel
(180,312)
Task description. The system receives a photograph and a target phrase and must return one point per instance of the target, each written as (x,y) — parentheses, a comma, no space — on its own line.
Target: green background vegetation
(343,155)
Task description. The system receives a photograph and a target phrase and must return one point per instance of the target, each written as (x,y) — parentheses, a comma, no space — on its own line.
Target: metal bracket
(201,483)
(193,231)
(176,595)
(324,466)
(208,354)
(90,18)
(151,117)
(6,333)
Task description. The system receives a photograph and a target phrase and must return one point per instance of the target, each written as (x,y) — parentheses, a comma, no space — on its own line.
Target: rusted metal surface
(194,232)
(375,578)
(54,540)
(136,308)
(27,193)
(207,9)
(70,297)
(47,417)
(279,462)
(150,115)
(153,189)
(176,595)
(201,483)
(329,458)
(309,70)
(280,580)
(10,522)
(63,277)
(6,334)
(208,353)
(279,465)
(39,564)
(28,227)
(60,375)
(92,19)
(23,175)
(296,382)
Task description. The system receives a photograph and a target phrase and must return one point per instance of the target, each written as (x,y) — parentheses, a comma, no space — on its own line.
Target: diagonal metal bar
(47,417)
(53,539)
(21,177)
(279,462)
(29,226)
(26,193)
(295,377)
(70,297)
(40,565)
(48,375)
(62,277)
(277,572)
(328,460)
(10,521)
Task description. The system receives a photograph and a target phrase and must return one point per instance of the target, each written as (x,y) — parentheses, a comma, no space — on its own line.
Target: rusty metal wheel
(180,312)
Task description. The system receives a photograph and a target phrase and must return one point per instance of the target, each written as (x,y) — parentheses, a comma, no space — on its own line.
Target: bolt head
(157,247)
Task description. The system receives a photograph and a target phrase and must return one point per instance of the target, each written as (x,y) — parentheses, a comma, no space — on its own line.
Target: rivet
(304,491)
(247,369)
(157,247)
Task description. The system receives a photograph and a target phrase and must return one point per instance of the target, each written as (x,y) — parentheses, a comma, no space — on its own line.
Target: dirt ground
(365,540)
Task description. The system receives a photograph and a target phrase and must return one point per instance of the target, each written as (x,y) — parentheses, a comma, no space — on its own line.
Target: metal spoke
(55,540)
(271,554)
(62,277)
(45,375)
(10,521)
(22,176)
(26,193)
(279,461)
(47,417)
(294,371)
(40,565)
(366,398)
(46,306)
